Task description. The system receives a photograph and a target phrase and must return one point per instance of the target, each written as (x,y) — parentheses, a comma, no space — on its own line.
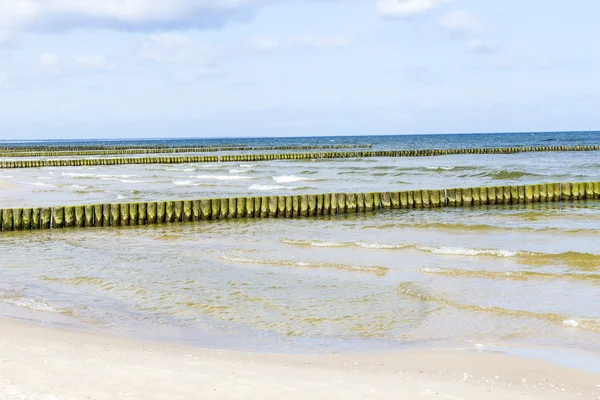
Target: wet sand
(38,362)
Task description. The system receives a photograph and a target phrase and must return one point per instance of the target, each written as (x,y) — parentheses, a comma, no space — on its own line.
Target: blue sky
(157,68)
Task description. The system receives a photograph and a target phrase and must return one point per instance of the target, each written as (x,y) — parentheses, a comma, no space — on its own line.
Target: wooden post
(115,215)
(161,212)
(58,217)
(134,214)
(205,209)
(360,202)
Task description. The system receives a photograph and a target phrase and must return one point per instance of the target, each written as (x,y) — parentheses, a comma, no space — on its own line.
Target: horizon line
(292,137)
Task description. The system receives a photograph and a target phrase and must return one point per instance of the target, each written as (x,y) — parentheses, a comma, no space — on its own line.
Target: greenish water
(501,275)
(497,276)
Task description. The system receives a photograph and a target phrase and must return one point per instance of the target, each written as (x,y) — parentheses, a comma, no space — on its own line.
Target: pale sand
(38,362)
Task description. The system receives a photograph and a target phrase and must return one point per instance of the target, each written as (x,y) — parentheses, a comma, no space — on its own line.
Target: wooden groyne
(281,156)
(296,206)
(57,151)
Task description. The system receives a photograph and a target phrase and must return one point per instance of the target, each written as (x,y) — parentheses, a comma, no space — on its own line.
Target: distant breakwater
(283,156)
(296,206)
(57,151)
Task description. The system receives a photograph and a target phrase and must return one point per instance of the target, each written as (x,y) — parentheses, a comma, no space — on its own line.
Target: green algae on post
(124,214)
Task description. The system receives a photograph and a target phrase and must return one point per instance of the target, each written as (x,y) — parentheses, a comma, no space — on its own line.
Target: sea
(519,276)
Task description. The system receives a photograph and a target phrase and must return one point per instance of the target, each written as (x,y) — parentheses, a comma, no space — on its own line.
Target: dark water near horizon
(429,141)
(524,275)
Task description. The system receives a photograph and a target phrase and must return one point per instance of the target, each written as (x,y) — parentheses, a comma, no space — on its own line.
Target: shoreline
(42,362)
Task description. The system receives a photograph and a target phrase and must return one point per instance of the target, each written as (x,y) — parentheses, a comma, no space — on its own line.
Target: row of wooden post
(307,205)
(279,156)
(92,151)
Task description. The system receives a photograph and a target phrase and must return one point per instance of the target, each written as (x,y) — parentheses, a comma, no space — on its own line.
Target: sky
(222,68)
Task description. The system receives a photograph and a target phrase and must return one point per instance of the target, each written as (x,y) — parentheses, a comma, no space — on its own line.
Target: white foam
(289,179)
(313,243)
(79,187)
(374,245)
(239,259)
(441,168)
(32,304)
(41,184)
(183,183)
(576,322)
(461,251)
(77,175)
(114,176)
(267,187)
(247,165)
(433,270)
(238,171)
(225,177)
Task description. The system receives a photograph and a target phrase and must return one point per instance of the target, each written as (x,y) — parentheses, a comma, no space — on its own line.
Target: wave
(321,243)
(239,171)
(289,179)
(76,281)
(445,168)
(510,175)
(484,228)
(39,184)
(464,251)
(225,177)
(78,175)
(389,246)
(268,187)
(586,261)
(33,304)
(277,187)
(180,169)
(379,271)
(510,275)
(586,323)
(79,187)
(183,183)
(115,176)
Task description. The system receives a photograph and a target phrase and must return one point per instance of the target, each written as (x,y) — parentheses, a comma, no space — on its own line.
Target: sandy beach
(39,362)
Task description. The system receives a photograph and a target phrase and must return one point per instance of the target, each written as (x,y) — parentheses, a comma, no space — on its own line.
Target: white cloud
(480,46)
(188,58)
(95,62)
(48,68)
(5,38)
(320,40)
(3,79)
(462,23)
(49,60)
(175,48)
(154,15)
(406,8)
(119,14)
(266,43)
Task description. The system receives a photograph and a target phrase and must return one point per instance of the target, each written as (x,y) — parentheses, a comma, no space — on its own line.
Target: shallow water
(517,275)
(132,183)
(493,276)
